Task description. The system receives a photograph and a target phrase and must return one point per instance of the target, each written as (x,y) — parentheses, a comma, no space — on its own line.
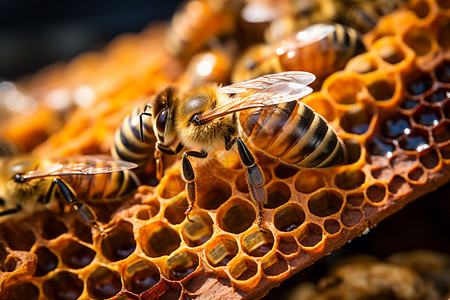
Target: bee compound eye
(161,121)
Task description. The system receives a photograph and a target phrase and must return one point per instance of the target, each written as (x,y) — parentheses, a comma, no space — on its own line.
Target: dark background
(36,33)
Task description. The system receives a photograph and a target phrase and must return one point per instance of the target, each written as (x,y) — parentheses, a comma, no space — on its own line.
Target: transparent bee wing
(262,91)
(80,165)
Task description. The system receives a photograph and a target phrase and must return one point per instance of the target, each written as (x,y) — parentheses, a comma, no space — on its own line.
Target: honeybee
(28,184)
(320,49)
(263,112)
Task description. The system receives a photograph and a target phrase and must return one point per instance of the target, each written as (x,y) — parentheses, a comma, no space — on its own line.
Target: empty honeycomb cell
(355,199)
(179,265)
(417,174)
(148,211)
(158,239)
(429,158)
(77,256)
(384,174)
(441,133)
(409,104)
(417,140)
(350,217)
(287,244)
(278,193)
(213,194)
(243,269)
(419,40)
(241,184)
(199,230)
(52,227)
(321,106)
(421,9)
(396,126)
(325,203)
(376,192)
(356,120)
(398,185)
(437,96)
(141,276)
(349,179)
(47,261)
(443,3)
(63,286)
(345,89)
(389,50)
(443,38)
(427,116)
(11,231)
(274,265)
(221,250)
(442,71)
(362,64)
(236,215)
(381,89)
(331,226)
(447,110)
(283,171)
(418,82)
(172,186)
(308,181)
(445,151)
(288,217)
(24,290)
(119,243)
(103,283)
(82,231)
(175,211)
(310,235)
(257,243)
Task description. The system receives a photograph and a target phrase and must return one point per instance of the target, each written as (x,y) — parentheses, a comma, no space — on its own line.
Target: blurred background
(34,34)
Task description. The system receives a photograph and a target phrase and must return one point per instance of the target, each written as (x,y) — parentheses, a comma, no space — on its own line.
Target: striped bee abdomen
(293,133)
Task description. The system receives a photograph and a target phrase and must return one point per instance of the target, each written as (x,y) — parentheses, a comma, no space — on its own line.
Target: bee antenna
(141,123)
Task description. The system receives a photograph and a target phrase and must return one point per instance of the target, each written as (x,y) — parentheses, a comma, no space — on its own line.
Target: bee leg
(83,210)
(10,211)
(187,173)
(141,123)
(255,178)
(159,149)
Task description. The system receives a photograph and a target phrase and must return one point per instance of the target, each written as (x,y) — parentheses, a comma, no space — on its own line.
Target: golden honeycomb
(391,105)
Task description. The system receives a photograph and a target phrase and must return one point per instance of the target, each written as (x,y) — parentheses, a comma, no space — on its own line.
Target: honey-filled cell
(198,230)
(158,239)
(222,249)
(103,283)
(141,276)
(257,243)
(236,215)
(180,264)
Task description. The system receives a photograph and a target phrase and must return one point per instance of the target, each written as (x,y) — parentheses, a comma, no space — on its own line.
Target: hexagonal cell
(199,231)
(349,179)
(419,40)
(417,82)
(398,185)
(427,116)
(445,151)
(148,210)
(376,192)
(421,9)
(388,49)
(10,231)
(257,243)
(441,133)
(442,71)
(213,194)
(437,96)
(356,120)
(416,141)
(355,199)
(179,265)
(77,256)
(63,285)
(283,171)
(443,4)
(396,126)
(47,261)
(221,251)
(308,181)
(443,38)
(24,290)
(381,89)
(52,227)
(377,146)
(81,230)
(409,104)
(172,186)
(158,239)
(288,217)
(274,265)
(417,174)
(141,276)
(278,193)
(350,217)
(236,215)
(429,158)
(287,244)
(119,243)
(325,203)
(321,106)
(243,269)
(345,89)
(362,64)
(175,211)
(310,235)
(331,226)
(103,283)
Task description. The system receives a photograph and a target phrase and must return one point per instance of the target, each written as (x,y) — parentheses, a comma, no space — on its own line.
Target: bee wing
(262,91)
(81,165)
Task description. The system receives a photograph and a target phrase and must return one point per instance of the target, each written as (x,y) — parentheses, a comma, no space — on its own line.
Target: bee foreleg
(255,178)
(159,148)
(83,210)
(187,173)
